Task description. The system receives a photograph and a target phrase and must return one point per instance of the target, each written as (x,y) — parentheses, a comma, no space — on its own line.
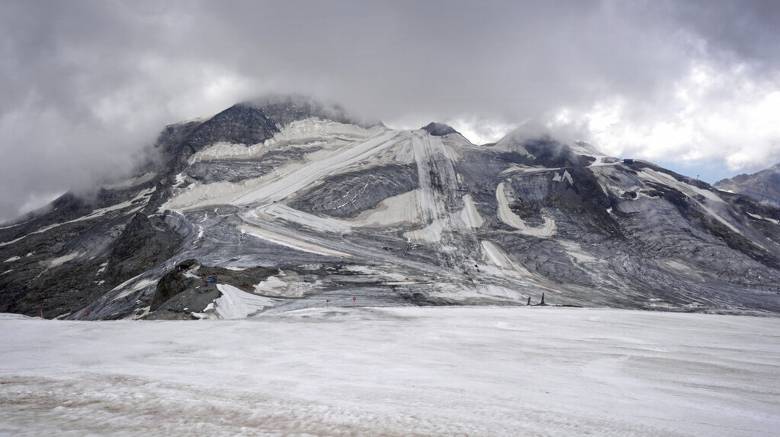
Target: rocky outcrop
(146,241)
(439,129)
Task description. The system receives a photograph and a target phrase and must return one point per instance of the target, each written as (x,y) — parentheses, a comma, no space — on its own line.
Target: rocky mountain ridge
(288,203)
(763,186)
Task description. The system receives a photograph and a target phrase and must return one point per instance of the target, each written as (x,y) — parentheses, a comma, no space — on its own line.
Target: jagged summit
(763,185)
(283,109)
(439,129)
(241,123)
(253,121)
(285,203)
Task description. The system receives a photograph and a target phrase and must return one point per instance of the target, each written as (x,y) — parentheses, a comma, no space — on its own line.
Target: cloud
(88,84)
(720,114)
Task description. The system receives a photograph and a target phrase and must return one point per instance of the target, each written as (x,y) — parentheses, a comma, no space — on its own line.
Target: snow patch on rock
(289,241)
(506,215)
(138,286)
(574,250)
(561,177)
(238,304)
(707,200)
(402,208)
(56,262)
(760,217)
(138,202)
(470,215)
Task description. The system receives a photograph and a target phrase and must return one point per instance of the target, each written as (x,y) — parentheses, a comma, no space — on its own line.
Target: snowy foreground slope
(299,204)
(396,371)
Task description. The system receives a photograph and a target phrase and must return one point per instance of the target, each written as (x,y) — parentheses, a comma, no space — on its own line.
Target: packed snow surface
(395,371)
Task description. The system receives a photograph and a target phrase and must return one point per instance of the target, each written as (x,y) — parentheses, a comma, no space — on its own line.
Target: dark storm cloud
(744,30)
(87,84)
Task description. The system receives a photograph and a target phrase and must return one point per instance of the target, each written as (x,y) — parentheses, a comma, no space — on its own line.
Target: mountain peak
(289,211)
(763,185)
(283,109)
(439,129)
(256,120)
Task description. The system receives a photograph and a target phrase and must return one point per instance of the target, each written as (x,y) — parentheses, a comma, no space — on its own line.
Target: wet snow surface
(395,371)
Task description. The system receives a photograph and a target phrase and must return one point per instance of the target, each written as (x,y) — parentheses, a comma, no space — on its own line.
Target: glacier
(343,208)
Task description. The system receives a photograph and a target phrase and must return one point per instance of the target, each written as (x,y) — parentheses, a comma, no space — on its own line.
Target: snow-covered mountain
(763,186)
(287,203)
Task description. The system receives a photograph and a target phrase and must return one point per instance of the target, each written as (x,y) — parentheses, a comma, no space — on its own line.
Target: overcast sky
(85,85)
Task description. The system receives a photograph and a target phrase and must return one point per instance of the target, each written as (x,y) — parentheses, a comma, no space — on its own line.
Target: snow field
(395,371)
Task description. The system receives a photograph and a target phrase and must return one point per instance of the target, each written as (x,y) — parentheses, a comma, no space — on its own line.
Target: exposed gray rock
(763,186)
(283,109)
(242,124)
(348,194)
(145,241)
(238,170)
(439,129)
(187,288)
(364,215)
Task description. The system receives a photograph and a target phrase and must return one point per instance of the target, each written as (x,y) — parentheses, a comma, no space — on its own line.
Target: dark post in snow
(542,302)
(529,301)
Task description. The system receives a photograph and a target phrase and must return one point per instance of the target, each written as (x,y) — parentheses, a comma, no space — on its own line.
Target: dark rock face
(348,194)
(237,170)
(763,186)
(57,259)
(173,283)
(284,109)
(145,241)
(439,129)
(340,212)
(186,289)
(242,124)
